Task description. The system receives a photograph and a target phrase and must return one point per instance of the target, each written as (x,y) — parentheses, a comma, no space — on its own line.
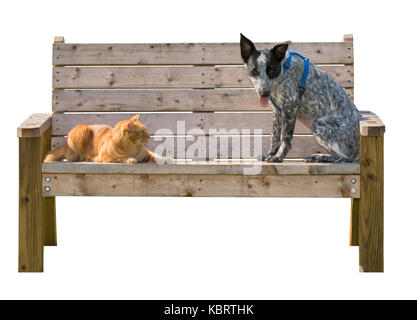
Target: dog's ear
(246,48)
(280,49)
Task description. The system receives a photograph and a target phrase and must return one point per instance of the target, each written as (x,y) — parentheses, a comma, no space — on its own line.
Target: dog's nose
(265,94)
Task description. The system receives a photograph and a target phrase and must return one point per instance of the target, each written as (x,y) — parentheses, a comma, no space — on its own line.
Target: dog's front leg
(275,136)
(289,116)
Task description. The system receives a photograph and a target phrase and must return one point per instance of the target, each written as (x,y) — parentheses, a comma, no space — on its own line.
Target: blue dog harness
(287,65)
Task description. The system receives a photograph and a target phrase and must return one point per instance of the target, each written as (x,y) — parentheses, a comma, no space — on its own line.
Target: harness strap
(303,82)
(275,104)
(287,65)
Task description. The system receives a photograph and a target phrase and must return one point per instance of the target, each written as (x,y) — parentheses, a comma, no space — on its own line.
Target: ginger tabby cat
(101,143)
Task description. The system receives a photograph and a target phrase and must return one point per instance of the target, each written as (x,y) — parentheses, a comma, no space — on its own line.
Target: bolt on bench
(191,91)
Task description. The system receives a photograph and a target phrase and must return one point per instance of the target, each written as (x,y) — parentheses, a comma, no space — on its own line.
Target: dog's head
(263,66)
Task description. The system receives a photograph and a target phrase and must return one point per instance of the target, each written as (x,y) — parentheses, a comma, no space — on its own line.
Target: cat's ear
(131,125)
(135,118)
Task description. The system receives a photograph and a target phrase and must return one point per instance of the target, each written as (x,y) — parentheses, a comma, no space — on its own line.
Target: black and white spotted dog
(324,106)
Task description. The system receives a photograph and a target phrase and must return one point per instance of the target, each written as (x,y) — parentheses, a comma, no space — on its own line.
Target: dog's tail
(57,155)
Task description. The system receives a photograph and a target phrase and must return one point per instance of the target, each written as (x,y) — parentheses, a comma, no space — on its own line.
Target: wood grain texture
(169,77)
(31,236)
(48,204)
(371,205)
(35,125)
(201,100)
(187,53)
(205,167)
(354,222)
(348,38)
(371,126)
(223,147)
(178,123)
(195,185)
(49,222)
(351,93)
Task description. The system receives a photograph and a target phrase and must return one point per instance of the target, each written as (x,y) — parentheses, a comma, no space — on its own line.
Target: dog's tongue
(264,101)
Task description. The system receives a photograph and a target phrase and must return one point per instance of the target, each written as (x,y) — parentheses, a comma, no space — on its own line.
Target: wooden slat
(317,52)
(35,125)
(169,77)
(62,123)
(195,185)
(158,100)
(187,53)
(302,147)
(204,167)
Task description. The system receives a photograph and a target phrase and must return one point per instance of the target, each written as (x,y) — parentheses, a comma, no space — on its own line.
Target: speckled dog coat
(324,107)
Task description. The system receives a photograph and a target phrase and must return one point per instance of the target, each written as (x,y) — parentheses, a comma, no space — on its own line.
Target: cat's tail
(57,155)
(78,147)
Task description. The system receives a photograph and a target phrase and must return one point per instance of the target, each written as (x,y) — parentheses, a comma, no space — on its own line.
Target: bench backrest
(179,87)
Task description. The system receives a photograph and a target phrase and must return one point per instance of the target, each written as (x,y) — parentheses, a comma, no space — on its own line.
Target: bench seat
(202,178)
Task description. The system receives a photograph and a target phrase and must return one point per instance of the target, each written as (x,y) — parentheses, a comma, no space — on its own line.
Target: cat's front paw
(131,160)
(167,160)
(164,160)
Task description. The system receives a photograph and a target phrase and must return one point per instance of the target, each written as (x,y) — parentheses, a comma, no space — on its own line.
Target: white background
(194,248)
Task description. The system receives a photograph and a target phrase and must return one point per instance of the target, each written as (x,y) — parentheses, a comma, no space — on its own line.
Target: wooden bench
(188,89)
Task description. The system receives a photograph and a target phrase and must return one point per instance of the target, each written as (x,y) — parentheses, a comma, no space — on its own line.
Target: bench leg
(37,226)
(371,205)
(49,221)
(31,237)
(48,204)
(354,223)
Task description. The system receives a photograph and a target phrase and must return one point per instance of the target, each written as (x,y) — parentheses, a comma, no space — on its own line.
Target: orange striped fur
(125,143)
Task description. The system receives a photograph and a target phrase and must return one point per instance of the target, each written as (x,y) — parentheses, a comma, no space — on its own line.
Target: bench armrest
(35,125)
(371,125)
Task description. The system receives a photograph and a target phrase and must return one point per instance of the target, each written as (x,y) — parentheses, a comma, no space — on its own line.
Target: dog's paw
(269,158)
(263,156)
(321,158)
(272,159)
(310,159)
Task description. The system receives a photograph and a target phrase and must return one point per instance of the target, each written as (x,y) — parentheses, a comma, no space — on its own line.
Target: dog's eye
(270,72)
(254,73)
